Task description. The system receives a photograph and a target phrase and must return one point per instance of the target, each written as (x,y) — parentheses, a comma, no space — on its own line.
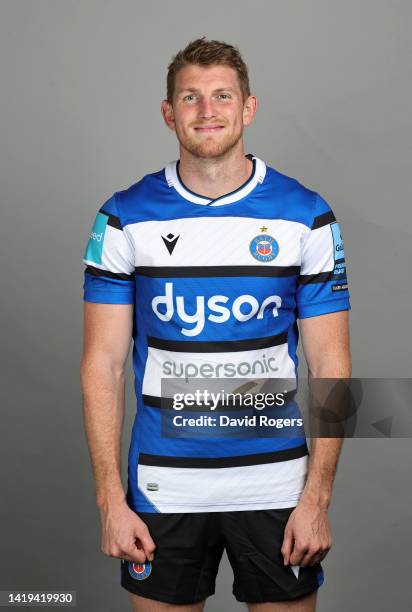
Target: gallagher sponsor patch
(339,271)
(338,250)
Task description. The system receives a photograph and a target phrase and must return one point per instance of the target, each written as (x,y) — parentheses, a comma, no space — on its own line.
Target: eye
(224,96)
(189,98)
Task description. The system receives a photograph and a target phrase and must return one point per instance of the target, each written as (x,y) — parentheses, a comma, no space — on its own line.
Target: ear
(249,110)
(168,115)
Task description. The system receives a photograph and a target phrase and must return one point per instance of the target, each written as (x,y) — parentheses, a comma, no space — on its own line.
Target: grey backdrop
(81,88)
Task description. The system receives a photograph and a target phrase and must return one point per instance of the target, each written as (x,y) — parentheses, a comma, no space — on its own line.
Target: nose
(206,108)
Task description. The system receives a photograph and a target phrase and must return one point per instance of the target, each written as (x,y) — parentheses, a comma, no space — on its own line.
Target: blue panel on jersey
(105,290)
(110,206)
(137,499)
(233,424)
(279,197)
(321,298)
(152,442)
(314,310)
(196,296)
(293,339)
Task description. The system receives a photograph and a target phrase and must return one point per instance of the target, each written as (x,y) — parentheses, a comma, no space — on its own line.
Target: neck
(214,177)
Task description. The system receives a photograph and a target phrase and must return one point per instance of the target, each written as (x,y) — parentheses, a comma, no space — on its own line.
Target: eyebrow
(195,90)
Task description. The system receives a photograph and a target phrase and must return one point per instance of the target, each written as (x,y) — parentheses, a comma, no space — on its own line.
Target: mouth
(209,128)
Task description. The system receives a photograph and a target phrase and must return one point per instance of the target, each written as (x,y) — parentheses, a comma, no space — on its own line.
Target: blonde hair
(205,52)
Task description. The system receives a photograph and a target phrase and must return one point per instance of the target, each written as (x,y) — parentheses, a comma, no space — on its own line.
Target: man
(208,263)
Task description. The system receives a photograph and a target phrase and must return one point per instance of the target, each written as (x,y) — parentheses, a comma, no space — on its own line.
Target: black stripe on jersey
(219,346)
(154,401)
(98,272)
(321,277)
(216,271)
(166,403)
(222,462)
(113,221)
(324,219)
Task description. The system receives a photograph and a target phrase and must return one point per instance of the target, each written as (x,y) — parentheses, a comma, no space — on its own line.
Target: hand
(125,535)
(307,539)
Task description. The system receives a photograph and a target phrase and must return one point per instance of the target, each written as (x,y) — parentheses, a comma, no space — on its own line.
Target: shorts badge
(140,571)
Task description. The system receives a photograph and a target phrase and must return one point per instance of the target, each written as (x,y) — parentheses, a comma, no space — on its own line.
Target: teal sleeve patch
(338,249)
(339,270)
(94,248)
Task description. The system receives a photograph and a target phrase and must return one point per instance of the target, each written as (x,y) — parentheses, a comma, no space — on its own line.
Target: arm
(107,336)
(307,540)
(325,342)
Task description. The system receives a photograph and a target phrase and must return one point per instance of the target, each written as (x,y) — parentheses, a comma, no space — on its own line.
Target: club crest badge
(264,247)
(140,571)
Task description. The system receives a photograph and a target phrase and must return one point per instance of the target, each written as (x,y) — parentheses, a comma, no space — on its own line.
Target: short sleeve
(109,257)
(322,284)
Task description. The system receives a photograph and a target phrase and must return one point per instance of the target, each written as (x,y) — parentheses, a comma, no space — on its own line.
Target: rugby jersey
(217,288)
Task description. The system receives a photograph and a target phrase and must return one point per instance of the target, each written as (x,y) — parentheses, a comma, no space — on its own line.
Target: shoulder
(129,203)
(298,201)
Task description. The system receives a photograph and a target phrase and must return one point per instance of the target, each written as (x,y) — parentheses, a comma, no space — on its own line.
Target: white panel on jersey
(251,487)
(271,362)
(219,241)
(317,254)
(173,181)
(117,253)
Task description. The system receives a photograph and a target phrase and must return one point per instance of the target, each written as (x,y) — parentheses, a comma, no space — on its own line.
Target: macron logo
(170,242)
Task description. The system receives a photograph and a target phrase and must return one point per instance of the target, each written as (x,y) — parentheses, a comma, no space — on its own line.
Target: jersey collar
(257,177)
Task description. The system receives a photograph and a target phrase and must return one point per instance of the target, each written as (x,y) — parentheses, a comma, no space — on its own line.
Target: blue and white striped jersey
(217,287)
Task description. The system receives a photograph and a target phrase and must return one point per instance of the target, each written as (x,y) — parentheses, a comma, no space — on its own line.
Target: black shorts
(189,548)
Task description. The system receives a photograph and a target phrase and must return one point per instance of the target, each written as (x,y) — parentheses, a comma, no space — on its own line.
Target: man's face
(208,112)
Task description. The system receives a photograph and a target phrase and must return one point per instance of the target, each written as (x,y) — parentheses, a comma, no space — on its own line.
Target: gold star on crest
(263,229)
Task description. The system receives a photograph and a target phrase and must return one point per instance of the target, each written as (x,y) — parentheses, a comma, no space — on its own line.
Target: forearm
(103,408)
(323,460)
(325,451)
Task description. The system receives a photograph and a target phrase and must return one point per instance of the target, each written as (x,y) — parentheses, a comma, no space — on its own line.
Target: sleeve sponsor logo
(338,249)
(339,270)
(94,248)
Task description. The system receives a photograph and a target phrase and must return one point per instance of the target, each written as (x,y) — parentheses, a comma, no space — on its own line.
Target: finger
(314,556)
(146,543)
(287,546)
(297,555)
(319,557)
(132,559)
(308,558)
(316,559)
(135,555)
